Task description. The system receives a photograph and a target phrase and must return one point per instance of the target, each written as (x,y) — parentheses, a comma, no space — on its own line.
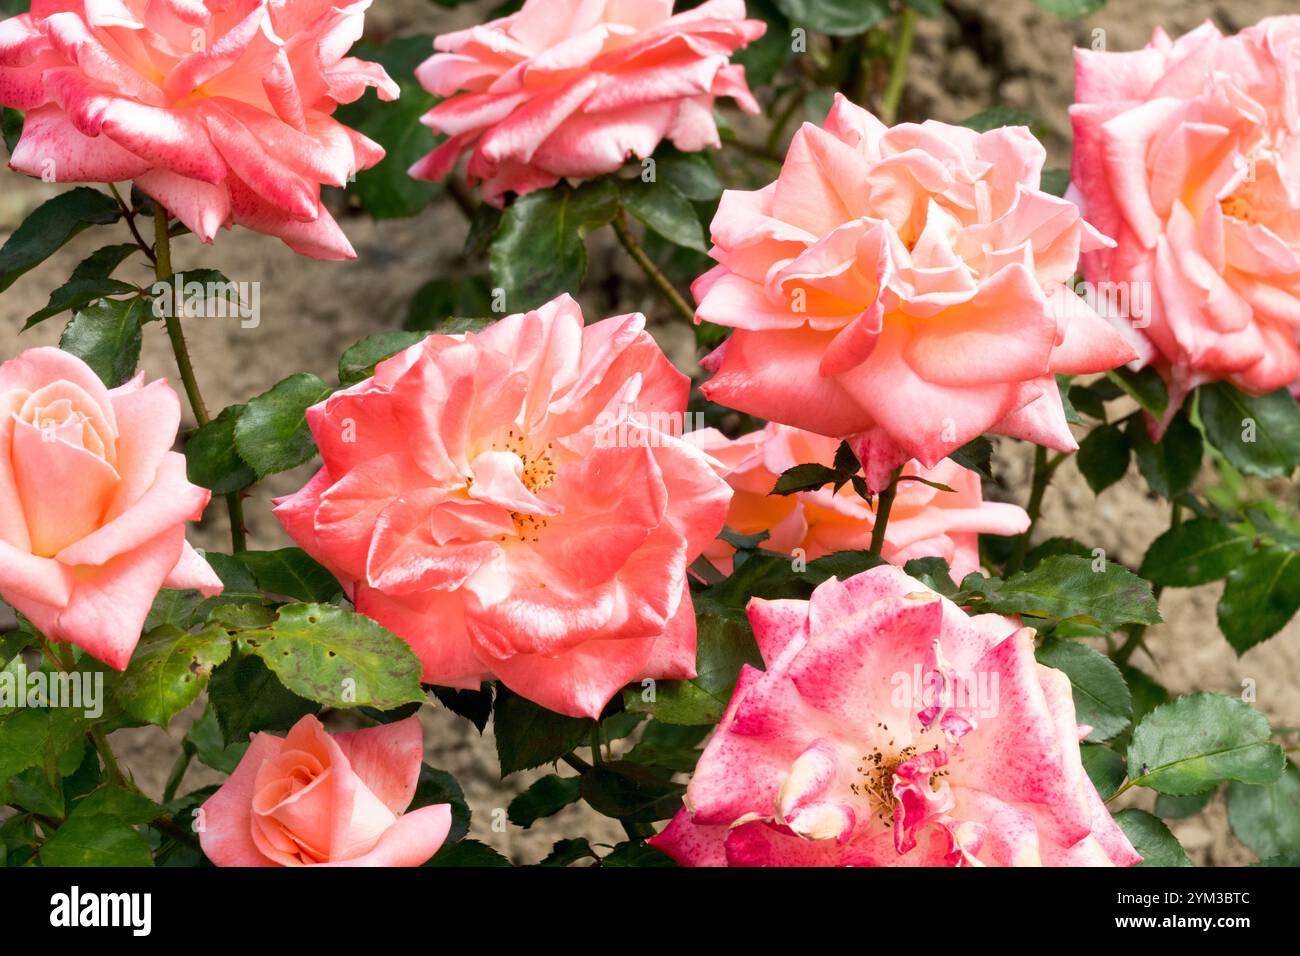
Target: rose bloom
(93,502)
(890,729)
(923,522)
(571,89)
(1187,153)
(317,799)
(515,504)
(218,110)
(904,286)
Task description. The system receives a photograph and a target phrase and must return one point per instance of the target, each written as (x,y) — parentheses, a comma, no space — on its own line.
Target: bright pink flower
(318,799)
(571,88)
(890,729)
(905,286)
(515,504)
(1188,154)
(218,109)
(93,502)
(923,522)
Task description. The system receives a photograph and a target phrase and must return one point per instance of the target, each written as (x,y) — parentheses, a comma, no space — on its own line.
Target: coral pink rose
(923,522)
(218,110)
(890,729)
(515,504)
(571,89)
(905,286)
(93,502)
(318,799)
(1188,154)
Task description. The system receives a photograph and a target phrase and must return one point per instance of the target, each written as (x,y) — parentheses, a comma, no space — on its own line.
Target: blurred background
(973,55)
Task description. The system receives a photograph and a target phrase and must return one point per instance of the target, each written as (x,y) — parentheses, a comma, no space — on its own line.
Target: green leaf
(804,478)
(546,797)
(1261,596)
(474,705)
(1071,8)
(438,786)
(1197,742)
(11,121)
(385,190)
(631,792)
(1067,587)
(1169,807)
(1195,552)
(292,573)
(107,336)
(933,573)
(669,747)
(358,363)
(338,657)
(1054,547)
(208,743)
(1267,818)
(636,853)
(23,735)
(51,225)
(835,17)
(271,433)
(724,644)
(1104,767)
(448,305)
(169,670)
(1151,838)
(468,853)
(1101,698)
(210,456)
(77,294)
(1170,465)
(566,852)
(540,247)
(1258,435)
(248,698)
(96,840)
(977,455)
(1146,388)
(691,174)
(662,208)
(528,735)
(998,116)
(1103,457)
(1055,182)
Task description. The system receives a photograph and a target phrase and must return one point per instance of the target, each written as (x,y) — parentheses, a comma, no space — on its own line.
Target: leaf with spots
(169,670)
(338,658)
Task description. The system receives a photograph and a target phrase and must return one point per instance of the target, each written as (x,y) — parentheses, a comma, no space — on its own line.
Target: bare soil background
(976,55)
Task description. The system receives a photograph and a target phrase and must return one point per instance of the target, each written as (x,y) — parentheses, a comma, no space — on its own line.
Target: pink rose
(890,729)
(93,502)
(905,286)
(1188,154)
(563,89)
(515,504)
(923,522)
(218,110)
(318,799)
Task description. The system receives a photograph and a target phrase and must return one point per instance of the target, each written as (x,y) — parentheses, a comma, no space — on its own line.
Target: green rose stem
(177,774)
(163,271)
(898,68)
(1044,468)
(61,655)
(884,504)
(661,281)
(1137,631)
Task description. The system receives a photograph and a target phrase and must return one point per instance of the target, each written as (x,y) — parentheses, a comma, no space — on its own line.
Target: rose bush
(802,614)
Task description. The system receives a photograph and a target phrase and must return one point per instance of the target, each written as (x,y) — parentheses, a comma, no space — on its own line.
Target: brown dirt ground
(976,55)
